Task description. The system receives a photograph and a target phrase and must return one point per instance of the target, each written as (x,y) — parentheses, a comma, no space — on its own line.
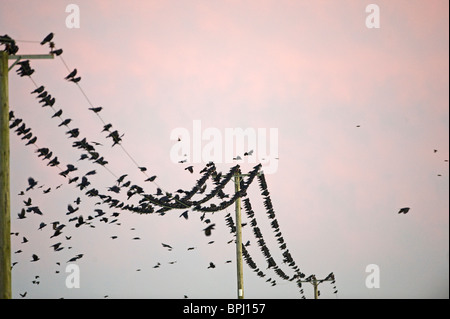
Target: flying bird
(211,265)
(208,229)
(190,169)
(35,257)
(403,210)
(167,246)
(185,215)
(31,184)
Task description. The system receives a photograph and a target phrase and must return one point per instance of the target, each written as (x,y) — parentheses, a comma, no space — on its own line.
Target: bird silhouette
(211,265)
(190,169)
(185,215)
(208,229)
(71,74)
(403,210)
(34,257)
(48,38)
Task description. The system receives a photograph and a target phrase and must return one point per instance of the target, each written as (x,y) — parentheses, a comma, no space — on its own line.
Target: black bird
(35,257)
(39,90)
(71,74)
(32,141)
(185,215)
(57,114)
(31,183)
(57,52)
(208,229)
(48,38)
(403,210)
(96,109)
(211,265)
(75,80)
(42,225)
(167,246)
(65,122)
(71,210)
(190,169)
(151,179)
(22,214)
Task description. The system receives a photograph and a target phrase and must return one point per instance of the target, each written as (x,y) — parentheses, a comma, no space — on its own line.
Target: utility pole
(5,217)
(315,282)
(240,275)
(5,209)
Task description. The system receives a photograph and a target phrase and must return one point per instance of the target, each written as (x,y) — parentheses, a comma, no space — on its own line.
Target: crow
(39,90)
(208,229)
(151,179)
(71,210)
(48,38)
(22,214)
(71,74)
(57,52)
(185,215)
(96,109)
(75,80)
(31,183)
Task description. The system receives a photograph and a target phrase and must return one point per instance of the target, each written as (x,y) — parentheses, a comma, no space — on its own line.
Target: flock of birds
(160,203)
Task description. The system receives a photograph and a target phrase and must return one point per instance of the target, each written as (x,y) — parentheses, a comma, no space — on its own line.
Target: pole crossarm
(17,58)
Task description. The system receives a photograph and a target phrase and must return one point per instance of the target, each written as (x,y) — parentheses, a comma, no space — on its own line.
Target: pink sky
(311,69)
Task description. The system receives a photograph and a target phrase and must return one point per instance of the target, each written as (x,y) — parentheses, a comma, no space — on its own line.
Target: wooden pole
(240,275)
(5,217)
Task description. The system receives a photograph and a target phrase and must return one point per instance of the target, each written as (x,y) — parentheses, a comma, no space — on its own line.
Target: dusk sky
(359,120)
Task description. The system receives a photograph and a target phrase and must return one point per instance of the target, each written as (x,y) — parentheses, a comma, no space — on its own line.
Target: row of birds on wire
(162,201)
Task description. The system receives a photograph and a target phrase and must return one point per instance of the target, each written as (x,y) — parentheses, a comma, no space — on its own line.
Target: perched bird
(151,179)
(39,90)
(75,80)
(71,74)
(57,52)
(403,210)
(48,38)
(96,109)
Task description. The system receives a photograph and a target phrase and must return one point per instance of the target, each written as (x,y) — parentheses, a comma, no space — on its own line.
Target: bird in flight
(403,210)
(208,229)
